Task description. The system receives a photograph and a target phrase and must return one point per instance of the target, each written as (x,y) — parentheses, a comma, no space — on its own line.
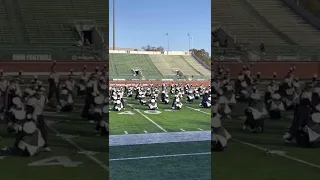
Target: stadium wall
(303,70)
(310,18)
(42,67)
(150,52)
(155,82)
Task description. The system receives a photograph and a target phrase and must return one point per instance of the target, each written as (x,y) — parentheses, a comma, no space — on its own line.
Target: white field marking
(59,161)
(49,112)
(126,132)
(282,155)
(52,122)
(53,114)
(88,152)
(67,136)
(160,156)
(198,110)
(145,131)
(182,130)
(200,129)
(148,118)
(70,141)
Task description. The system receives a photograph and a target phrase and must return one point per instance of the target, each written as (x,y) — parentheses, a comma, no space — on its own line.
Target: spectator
(262,49)
(226,42)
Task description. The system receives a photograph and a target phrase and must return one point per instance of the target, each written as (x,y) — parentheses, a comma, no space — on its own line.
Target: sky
(145,22)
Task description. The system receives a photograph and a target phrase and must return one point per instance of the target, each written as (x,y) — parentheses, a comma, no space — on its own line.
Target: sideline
(156,138)
(160,156)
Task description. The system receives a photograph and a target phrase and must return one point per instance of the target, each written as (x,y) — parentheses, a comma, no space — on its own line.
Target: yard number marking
(56,161)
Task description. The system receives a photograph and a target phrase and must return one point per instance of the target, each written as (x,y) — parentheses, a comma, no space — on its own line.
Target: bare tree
(203,55)
(152,48)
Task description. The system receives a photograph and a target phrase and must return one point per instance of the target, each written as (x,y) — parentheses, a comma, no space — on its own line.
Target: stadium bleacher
(289,23)
(251,22)
(236,17)
(6,36)
(155,66)
(54,28)
(44,26)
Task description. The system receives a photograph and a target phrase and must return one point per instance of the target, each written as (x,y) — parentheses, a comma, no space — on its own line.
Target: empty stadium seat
(285,20)
(155,66)
(50,22)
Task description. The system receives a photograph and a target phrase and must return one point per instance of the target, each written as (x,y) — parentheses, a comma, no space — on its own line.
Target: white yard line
(282,155)
(200,129)
(182,130)
(264,149)
(148,118)
(100,163)
(160,156)
(198,110)
(145,131)
(126,132)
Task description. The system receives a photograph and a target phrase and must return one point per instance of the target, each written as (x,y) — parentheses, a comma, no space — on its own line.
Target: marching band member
(40,102)
(54,84)
(91,87)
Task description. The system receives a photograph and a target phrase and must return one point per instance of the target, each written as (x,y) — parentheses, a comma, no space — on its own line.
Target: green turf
(179,168)
(171,121)
(243,161)
(251,163)
(16,168)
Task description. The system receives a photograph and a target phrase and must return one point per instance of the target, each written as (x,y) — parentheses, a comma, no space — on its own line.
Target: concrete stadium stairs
(43,26)
(177,62)
(239,20)
(197,66)
(285,20)
(163,66)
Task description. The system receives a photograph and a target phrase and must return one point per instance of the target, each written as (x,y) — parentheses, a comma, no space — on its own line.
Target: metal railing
(273,53)
(58,53)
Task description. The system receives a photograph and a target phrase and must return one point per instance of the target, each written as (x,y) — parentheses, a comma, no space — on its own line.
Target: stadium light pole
(189,42)
(168,42)
(114,29)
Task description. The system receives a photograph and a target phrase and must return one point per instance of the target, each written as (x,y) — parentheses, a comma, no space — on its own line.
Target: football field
(263,156)
(137,119)
(76,150)
(161,144)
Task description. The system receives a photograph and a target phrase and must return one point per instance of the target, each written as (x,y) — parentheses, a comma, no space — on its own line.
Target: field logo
(56,161)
